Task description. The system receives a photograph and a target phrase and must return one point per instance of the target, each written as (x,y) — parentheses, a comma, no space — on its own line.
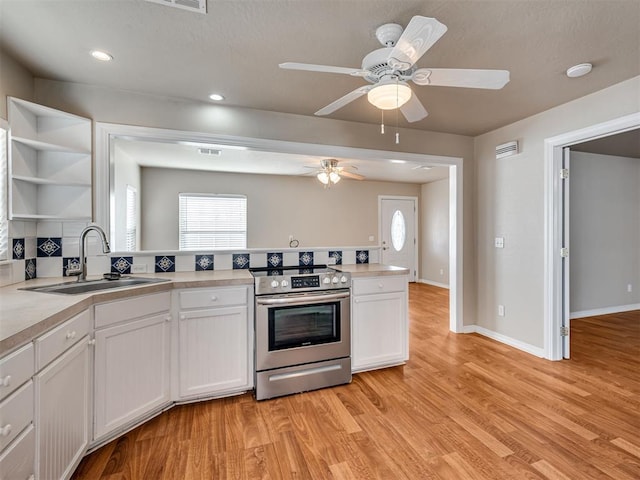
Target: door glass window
(398,230)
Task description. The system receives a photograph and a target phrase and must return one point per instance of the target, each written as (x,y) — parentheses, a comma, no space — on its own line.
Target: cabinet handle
(380,285)
(167,318)
(6,381)
(214,298)
(183,317)
(92,341)
(6,430)
(32,477)
(71,335)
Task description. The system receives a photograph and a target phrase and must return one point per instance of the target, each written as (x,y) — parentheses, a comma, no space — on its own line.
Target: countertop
(25,315)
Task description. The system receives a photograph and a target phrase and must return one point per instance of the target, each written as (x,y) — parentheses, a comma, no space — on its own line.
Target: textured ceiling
(236,47)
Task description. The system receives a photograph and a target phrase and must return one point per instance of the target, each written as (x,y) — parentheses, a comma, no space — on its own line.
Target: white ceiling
(236,47)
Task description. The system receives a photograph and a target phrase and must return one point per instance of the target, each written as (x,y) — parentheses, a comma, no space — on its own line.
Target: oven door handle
(302,299)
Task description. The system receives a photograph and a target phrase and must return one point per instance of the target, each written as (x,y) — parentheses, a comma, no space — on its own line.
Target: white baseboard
(512,342)
(604,311)
(435,284)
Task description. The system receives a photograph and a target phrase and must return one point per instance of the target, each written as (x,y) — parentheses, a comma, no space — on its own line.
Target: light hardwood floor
(464,407)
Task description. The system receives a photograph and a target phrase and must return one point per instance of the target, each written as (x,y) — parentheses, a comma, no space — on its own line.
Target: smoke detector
(199,6)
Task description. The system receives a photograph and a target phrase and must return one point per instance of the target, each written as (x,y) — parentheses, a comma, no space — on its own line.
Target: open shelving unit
(49,163)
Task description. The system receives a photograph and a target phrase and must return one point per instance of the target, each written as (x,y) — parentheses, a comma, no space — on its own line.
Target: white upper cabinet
(49,163)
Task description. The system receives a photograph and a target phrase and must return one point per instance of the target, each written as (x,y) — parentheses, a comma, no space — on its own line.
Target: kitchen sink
(72,288)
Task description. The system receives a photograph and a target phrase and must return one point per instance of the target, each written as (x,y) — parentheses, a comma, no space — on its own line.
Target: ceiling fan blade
(310,67)
(417,38)
(342,101)
(459,77)
(351,175)
(413,110)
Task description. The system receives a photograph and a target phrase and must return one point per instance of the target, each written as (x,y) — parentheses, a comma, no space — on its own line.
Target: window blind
(132,218)
(212,222)
(4,210)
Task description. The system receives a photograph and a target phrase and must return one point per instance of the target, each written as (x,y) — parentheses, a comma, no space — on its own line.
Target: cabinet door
(62,412)
(214,351)
(378,330)
(132,371)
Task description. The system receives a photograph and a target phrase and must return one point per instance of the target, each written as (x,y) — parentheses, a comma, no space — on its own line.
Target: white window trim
(4,193)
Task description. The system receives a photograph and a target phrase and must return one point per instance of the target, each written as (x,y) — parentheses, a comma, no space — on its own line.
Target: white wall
(277,206)
(509,202)
(604,231)
(15,81)
(434,232)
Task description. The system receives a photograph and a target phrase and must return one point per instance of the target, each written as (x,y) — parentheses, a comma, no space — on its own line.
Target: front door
(398,232)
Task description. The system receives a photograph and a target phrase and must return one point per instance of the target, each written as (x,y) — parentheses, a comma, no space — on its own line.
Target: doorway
(556,280)
(397,220)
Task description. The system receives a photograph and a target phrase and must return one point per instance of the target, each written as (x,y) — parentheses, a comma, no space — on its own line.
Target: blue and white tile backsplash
(305,259)
(241,260)
(362,256)
(204,262)
(49,247)
(121,265)
(18,250)
(165,263)
(274,260)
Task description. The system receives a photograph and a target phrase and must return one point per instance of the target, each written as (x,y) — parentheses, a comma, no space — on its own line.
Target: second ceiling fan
(388,70)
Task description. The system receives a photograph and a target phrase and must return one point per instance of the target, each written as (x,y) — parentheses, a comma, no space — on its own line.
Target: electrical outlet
(501,310)
(138,268)
(499,242)
(371,238)
(442,271)
(629,288)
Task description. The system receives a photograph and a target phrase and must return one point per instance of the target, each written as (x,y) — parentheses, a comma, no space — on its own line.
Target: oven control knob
(274,284)
(326,280)
(343,279)
(335,280)
(284,283)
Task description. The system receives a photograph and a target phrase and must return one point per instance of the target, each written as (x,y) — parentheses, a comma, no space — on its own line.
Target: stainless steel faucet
(82,273)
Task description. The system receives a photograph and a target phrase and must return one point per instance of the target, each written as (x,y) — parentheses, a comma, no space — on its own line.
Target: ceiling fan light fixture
(334,177)
(323,177)
(389,95)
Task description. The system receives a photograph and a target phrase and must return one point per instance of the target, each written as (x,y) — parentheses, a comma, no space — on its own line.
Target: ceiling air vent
(507,149)
(199,6)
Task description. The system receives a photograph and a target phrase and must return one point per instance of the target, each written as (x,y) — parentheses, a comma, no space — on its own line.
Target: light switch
(499,242)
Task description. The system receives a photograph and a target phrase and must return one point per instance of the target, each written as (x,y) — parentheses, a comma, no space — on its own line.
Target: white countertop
(24,315)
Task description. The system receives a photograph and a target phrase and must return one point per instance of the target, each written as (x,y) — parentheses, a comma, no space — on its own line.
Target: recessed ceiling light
(579,70)
(102,56)
(216,96)
(398,161)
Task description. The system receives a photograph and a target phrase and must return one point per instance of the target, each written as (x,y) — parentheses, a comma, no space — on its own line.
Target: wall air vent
(209,151)
(199,6)
(507,149)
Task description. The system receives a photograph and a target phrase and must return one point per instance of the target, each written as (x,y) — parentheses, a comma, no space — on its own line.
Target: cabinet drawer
(55,342)
(19,459)
(365,286)
(16,412)
(218,297)
(15,369)
(136,307)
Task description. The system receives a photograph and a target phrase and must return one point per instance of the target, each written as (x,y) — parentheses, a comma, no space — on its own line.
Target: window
(398,230)
(4,210)
(132,218)
(212,222)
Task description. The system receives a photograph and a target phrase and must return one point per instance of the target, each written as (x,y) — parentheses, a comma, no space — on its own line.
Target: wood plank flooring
(464,407)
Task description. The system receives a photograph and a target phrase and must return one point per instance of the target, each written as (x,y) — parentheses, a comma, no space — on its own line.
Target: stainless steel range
(303,329)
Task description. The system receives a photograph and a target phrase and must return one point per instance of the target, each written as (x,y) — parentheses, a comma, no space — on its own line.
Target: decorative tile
(204,262)
(30,269)
(121,265)
(49,247)
(72,263)
(305,258)
(336,255)
(18,248)
(165,263)
(240,261)
(274,260)
(362,256)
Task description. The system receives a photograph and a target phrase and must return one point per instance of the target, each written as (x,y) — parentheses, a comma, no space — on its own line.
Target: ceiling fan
(330,173)
(388,70)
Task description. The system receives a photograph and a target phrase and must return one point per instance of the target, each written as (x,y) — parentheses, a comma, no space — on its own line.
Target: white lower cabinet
(62,412)
(132,361)
(215,342)
(379,322)
(17,461)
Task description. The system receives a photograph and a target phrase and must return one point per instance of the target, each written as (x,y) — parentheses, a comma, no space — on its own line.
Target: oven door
(298,328)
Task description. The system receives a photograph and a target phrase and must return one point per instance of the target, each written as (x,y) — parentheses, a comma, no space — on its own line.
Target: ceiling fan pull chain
(397,108)
(382,123)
